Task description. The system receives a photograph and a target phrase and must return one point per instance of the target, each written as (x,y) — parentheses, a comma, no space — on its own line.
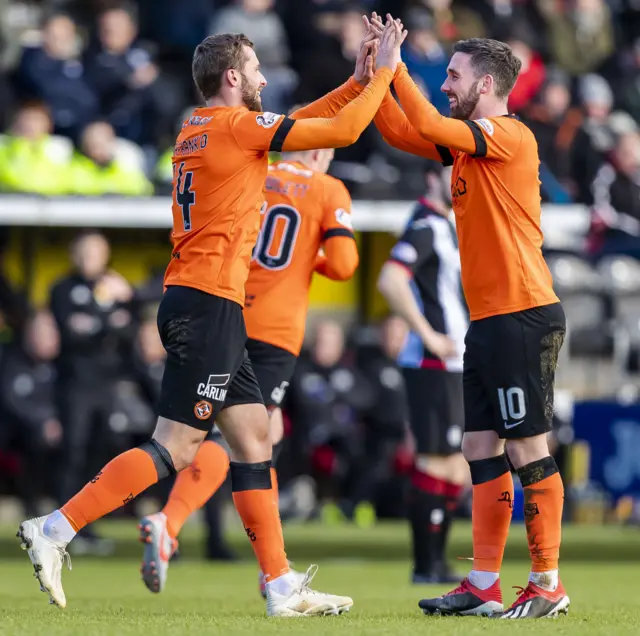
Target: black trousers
(84,415)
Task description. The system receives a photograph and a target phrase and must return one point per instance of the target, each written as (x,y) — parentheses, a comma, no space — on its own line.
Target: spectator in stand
(134,97)
(6,100)
(91,307)
(532,73)
(425,57)
(327,396)
(177,26)
(149,358)
(31,159)
(259,21)
(615,227)
(628,84)
(100,167)
(499,17)
(385,420)
(555,126)
(456,20)
(55,74)
(27,381)
(580,32)
(596,137)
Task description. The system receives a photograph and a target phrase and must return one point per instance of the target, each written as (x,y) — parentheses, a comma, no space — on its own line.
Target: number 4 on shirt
(185,197)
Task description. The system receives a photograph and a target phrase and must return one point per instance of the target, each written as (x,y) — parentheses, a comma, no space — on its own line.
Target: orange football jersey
(303,209)
(220,164)
(496,197)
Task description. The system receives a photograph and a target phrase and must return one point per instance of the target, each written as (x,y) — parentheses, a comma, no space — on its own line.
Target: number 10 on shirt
(278,234)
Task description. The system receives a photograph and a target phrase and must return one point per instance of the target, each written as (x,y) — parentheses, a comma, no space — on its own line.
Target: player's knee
(276,425)
(161,457)
(481,445)
(459,469)
(527,450)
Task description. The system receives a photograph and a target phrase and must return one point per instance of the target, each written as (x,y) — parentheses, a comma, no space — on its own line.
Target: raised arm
(428,122)
(399,133)
(350,122)
(332,103)
(343,129)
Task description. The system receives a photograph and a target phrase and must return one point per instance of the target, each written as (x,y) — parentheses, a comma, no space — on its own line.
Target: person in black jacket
(31,424)
(137,100)
(328,396)
(91,307)
(386,418)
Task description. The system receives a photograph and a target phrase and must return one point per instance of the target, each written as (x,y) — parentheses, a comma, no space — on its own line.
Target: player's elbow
(347,135)
(344,270)
(384,282)
(390,278)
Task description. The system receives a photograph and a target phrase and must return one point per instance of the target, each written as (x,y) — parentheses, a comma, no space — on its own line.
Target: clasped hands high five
(380,46)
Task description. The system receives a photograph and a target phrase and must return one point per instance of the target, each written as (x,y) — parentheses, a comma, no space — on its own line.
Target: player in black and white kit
(421,282)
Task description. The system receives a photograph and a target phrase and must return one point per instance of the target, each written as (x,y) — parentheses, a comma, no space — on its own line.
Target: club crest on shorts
(203,410)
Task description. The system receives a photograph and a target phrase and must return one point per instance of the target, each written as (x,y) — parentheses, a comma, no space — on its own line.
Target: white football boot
(159,547)
(301,601)
(47,556)
(262,583)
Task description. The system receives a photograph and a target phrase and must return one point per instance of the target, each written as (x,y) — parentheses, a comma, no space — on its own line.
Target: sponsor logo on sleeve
(267,120)
(486,125)
(344,218)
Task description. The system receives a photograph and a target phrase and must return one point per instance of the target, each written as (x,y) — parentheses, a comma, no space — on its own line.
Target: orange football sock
(491,511)
(196,484)
(543,503)
(119,482)
(256,505)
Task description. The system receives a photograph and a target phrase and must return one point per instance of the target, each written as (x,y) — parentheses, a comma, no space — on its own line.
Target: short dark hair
(492,57)
(215,55)
(121,5)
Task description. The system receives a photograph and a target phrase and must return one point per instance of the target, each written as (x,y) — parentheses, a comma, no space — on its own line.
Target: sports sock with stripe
(490,518)
(255,502)
(543,503)
(118,483)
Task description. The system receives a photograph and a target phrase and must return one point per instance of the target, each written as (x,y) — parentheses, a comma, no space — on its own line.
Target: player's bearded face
(251,93)
(461,104)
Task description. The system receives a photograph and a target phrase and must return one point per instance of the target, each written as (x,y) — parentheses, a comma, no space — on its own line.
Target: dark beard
(249,97)
(466,106)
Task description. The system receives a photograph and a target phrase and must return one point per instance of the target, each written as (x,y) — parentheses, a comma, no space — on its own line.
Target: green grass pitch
(105,596)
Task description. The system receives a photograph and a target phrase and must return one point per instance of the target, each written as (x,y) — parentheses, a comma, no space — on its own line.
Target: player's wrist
(400,68)
(385,70)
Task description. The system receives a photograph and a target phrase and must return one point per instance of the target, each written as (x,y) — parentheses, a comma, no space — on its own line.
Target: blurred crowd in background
(92,94)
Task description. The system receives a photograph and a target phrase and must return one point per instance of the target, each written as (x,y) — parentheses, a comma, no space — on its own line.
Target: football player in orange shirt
(306,227)
(220,165)
(517,323)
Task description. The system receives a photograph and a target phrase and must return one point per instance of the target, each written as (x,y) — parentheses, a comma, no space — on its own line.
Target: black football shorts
(208,368)
(273,368)
(509,371)
(436,410)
